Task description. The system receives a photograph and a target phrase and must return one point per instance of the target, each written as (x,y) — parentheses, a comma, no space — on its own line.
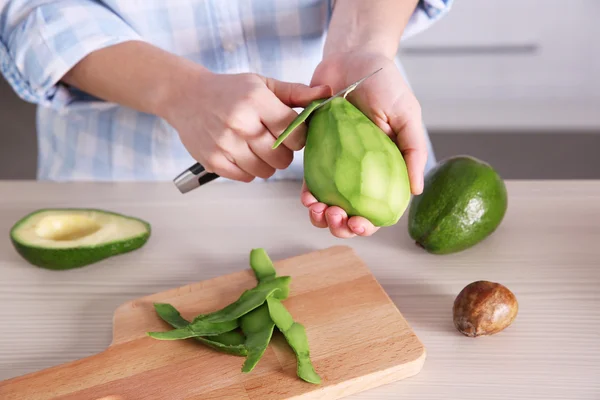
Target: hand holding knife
(196,175)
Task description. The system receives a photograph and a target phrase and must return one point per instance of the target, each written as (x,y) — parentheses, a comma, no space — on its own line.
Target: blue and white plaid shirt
(84,138)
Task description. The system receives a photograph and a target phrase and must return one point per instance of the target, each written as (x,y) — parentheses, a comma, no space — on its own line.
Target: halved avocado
(66,238)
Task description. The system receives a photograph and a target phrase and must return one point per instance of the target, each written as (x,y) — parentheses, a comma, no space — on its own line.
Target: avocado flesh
(67,238)
(351,163)
(463,202)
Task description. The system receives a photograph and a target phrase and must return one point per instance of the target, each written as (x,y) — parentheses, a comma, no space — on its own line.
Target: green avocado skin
(463,202)
(70,258)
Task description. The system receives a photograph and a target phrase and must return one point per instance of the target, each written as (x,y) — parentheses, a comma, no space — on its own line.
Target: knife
(196,175)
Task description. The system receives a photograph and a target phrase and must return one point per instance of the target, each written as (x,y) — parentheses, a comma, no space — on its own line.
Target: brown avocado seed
(484,308)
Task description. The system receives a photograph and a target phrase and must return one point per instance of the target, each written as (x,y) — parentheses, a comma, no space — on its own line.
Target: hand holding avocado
(231,127)
(356,178)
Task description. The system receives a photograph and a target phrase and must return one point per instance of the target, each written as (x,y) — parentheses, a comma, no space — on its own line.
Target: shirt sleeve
(426,14)
(40,40)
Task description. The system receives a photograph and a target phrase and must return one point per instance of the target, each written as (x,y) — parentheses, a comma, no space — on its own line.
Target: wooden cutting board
(357,336)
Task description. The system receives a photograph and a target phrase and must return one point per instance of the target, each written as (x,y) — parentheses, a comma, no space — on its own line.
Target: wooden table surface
(547,251)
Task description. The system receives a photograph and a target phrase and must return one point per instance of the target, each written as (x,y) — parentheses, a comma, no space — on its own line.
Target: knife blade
(196,175)
(348,89)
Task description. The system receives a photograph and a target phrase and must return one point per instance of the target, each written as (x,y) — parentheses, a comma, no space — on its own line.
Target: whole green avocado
(351,163)
(464,200)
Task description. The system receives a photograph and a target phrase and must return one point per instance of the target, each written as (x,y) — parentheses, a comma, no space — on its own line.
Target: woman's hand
(388,101)
(229,123)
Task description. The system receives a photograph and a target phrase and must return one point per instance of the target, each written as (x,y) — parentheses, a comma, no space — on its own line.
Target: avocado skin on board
(67,238)
(463,202)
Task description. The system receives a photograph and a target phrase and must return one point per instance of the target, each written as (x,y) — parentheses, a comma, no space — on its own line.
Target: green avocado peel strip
(262,265)
(230,342)
(295,334)
(297,121)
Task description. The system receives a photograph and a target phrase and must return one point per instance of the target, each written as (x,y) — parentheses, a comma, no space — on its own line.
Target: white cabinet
(511,63)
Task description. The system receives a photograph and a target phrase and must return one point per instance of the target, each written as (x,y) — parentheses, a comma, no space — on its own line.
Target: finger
(337,220)
(316,210)
(294,94)
(361,226)
(415,162)
(306,196)
(244,157)
(276,117)
(357,225)
(214,159)
(410,138)
(277,114)
(236,142)
(262,146)
(412,145)
(219,163)
(316,213)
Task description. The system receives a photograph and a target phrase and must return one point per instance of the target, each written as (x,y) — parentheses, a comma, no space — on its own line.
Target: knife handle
(193,177)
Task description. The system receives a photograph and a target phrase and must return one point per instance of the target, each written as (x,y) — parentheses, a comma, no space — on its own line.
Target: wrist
(372,27)
(361,39)
(364,48)
(179,88)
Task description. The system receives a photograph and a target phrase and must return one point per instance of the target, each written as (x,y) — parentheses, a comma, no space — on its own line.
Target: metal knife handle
(195,176)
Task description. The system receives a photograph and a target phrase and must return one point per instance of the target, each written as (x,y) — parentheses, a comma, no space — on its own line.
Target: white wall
(509,64)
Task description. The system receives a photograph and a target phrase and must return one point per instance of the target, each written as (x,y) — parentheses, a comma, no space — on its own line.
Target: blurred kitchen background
(514,82)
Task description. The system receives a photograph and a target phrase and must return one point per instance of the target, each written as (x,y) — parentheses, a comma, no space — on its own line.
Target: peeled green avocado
(351,163)
(464,200)
(66,238)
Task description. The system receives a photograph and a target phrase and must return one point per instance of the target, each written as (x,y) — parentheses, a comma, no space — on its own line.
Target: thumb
(297,94)
(411,142)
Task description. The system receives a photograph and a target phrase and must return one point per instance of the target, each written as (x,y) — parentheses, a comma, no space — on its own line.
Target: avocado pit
(484,308)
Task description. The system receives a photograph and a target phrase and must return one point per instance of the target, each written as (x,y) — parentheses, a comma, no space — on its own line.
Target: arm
(41,40)
(371,26)
(228,122)
(147,80)
(39,67)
